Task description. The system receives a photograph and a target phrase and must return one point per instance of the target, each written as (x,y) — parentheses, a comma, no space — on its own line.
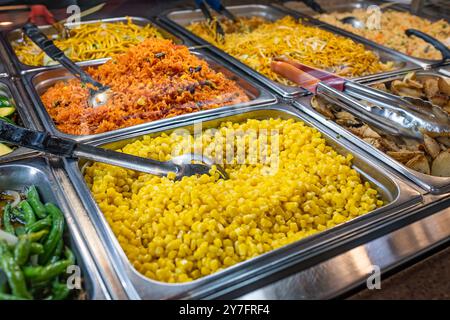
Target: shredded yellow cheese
(88,42)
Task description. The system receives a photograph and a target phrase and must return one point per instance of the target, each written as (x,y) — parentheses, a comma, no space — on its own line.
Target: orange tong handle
(305,76)
(40,11)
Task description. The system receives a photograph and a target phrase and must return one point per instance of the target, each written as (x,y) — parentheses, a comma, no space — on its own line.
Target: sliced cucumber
(6,120)
(4,149)
(4,102)
(7,111)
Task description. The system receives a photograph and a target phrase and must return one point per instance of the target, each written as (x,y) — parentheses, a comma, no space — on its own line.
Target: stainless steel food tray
(435,185)
(346,6)
(246,275)
(38,82)
(20,174)
(10,88)
(179,19)
(50,31)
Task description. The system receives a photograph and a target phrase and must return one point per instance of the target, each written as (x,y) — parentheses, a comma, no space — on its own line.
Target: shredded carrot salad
(154,80)
(256,44)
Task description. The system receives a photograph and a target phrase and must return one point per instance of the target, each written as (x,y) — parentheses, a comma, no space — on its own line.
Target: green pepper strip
(7,225)
(39,273)
(3,282)
(16,279)
(56,233)
(60,291)
(39,225)
(4,296)
(22,250)
(4,102)
(36,236)
(28,213)
(35,202)
(36,248)
(20,230)
(17,214)
(58,250)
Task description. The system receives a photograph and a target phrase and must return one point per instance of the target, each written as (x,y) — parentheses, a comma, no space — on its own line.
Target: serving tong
(183,166)
(399,116)
(98,96)
(220,9)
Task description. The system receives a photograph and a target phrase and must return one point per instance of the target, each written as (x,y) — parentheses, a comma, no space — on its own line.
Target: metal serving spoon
(183,166)
(98,96)
(353,21)
(358,24)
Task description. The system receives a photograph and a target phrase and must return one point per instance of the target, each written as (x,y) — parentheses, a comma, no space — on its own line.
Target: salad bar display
(165,156)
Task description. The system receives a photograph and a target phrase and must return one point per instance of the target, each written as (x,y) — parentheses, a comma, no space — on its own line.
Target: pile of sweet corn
(177,231)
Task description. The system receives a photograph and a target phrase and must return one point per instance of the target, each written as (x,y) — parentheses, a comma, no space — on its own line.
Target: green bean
(3,282)
(36,236)
(36,248)
(56,233)
(18,215)
(7,225)
(39,225)
(20,230)
(16,279)
(35,202)
(22,250)
(60,291)
(58,250)
(4,296)
(28,212)
(40,273)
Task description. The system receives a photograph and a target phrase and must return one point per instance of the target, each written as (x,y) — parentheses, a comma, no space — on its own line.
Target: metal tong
(182,166)
(392,114)
(98,96)
(220,9)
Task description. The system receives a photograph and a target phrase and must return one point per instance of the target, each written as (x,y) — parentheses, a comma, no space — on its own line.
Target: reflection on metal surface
(341,273)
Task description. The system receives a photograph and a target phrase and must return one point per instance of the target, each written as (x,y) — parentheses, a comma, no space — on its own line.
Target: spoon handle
(431,40)
(44,142)
(47,45)
(36,140)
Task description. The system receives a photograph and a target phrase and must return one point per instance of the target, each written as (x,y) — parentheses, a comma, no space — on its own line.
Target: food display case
(334,236)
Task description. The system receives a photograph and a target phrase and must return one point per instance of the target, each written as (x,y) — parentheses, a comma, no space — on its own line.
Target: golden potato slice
(444,86)
(431,146)
(441,165)
(403,156)
(419,163)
